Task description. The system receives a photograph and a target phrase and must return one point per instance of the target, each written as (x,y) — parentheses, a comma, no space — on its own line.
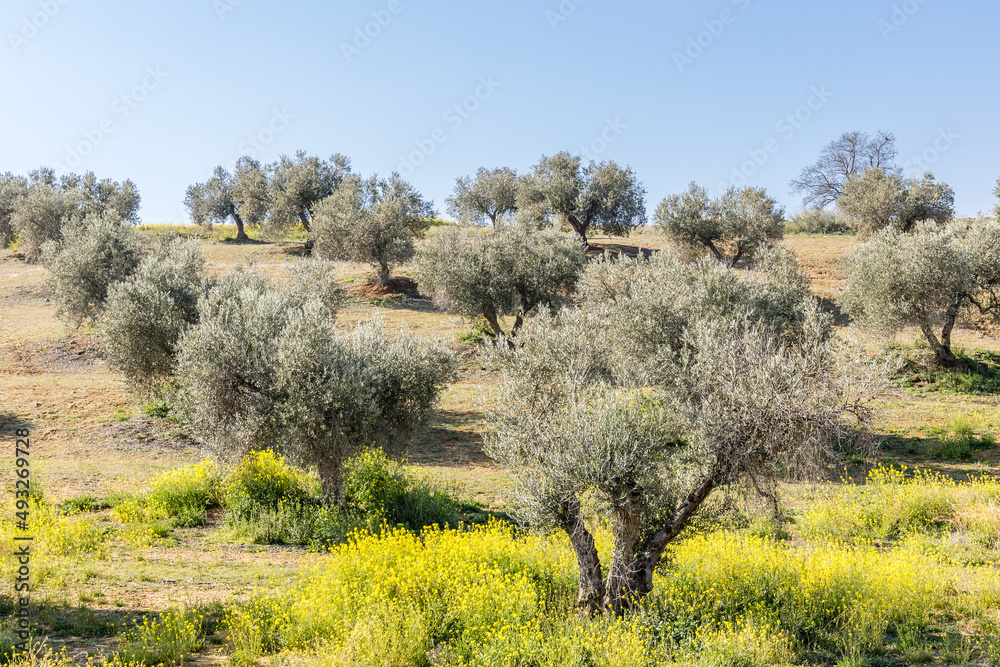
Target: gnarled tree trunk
(331,478)
(591,591)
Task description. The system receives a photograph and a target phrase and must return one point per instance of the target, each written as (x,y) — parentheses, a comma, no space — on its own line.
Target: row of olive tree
(250,363)
(559,191)
(36,208)
(276,196)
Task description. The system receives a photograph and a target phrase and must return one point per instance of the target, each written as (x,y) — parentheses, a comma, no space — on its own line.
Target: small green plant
(164,639)
(85,503)
(912,645)
(479,334)
(957,650)
(157,409)
(989,641)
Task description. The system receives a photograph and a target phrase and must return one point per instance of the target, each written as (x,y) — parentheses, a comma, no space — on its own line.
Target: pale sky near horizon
(717,92)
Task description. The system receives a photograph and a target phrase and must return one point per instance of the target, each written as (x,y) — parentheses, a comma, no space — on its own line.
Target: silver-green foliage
(733,226)
(491,196)
(297,185)
(267,368)
(342,392)
(996,193)
(371,220)
(12,189)
(147,313)
(928,278)
(816,221)
(877,199)
(658,392)
(42,204)
(600,196)
(240,196)
(508,272)
(91,256)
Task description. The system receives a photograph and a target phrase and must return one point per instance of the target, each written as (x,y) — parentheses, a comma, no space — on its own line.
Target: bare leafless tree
(822,183)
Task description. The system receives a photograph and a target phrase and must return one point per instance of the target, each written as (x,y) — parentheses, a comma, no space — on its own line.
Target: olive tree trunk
(241,234)
(591,590)
(331,478)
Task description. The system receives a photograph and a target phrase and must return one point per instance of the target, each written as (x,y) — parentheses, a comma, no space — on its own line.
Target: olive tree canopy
(241,196)
(41,204)
(298,184)
(372,221)
(265,367)
(491,196)
(91,256)
(508,272)
(147,313)
(878,199)
(929,278)
(651,427)
(822,183)
(996,193)
(733,226)
(601,196)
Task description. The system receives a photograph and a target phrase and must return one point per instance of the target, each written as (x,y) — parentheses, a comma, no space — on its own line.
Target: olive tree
(929,278)
(147,313)
(822,183)
(241,196)
(601,196)
(491,196)
(91,256)
(373,221)
(297,186)
(12,189)
(507,273)
(878,199)
(266,368)
(996,193)
(734,226)
(106,196)
(713,402)
(342,392)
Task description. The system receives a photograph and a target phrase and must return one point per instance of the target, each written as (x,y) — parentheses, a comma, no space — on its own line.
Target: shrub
(816,221)
(380,487)
(90,258)
(147,313)
(184,494)
(39,218)
(264,481)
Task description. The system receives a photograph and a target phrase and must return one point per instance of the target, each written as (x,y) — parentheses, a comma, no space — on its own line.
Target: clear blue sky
(559,77)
